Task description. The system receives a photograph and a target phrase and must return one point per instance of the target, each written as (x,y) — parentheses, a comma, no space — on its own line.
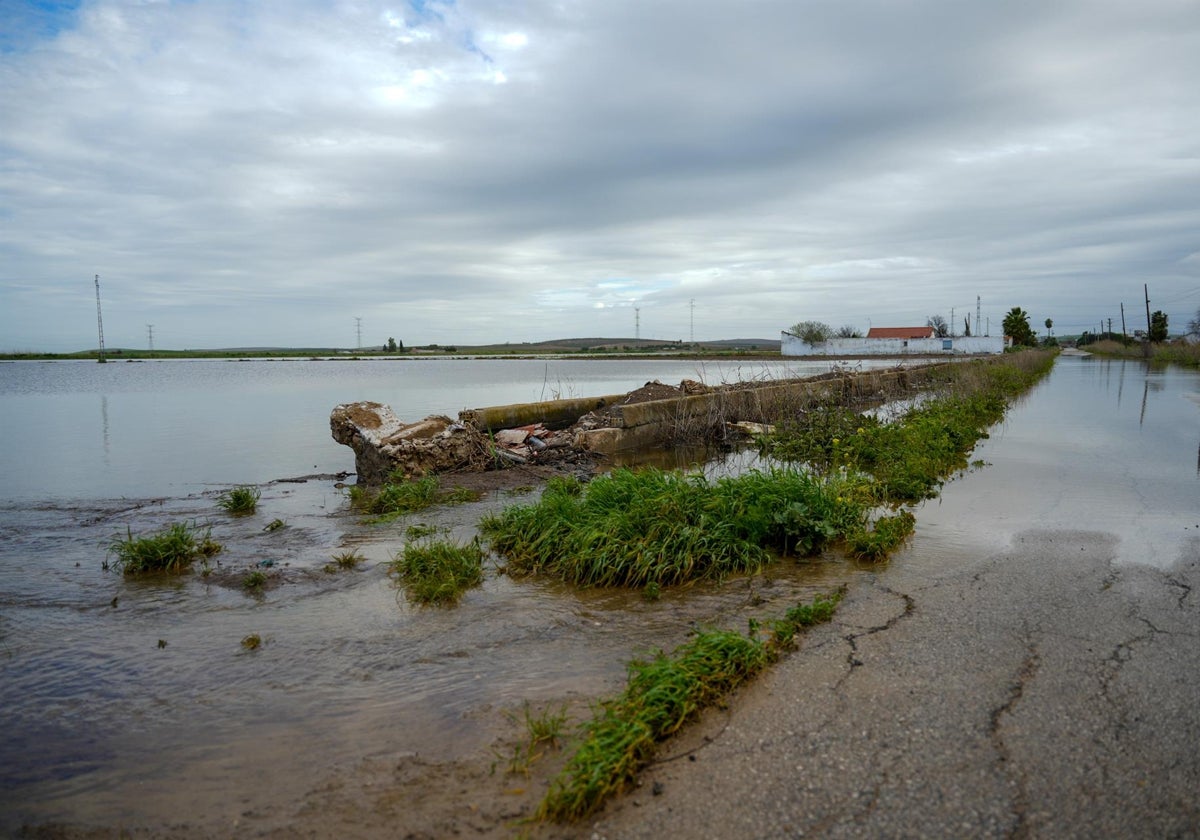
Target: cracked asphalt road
(1044,691)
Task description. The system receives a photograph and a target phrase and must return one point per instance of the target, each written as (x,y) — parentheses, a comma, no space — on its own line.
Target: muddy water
(105,725)
(134,703)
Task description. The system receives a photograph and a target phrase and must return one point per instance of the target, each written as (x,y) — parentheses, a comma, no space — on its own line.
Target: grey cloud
(773,160)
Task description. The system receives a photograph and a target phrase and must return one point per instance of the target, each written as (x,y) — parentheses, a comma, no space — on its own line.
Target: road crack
(1016,690)
(910,606)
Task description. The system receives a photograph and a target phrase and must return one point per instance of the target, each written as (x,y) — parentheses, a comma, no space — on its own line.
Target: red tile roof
(900,332)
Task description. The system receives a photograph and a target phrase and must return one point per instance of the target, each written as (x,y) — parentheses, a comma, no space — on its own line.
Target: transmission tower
(99,320)
(637,323)
(358,329)
(150,336)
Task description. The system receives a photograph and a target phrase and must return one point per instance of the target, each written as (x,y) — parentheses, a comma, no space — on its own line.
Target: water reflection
(104,427)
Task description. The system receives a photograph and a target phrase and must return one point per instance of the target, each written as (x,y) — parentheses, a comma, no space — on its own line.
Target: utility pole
(637,324)
(1124,335)
(99,321)
(358,330)
(1110,326)
(692,323)
(150,336)
(1146,287)
(952,322)
(977,318)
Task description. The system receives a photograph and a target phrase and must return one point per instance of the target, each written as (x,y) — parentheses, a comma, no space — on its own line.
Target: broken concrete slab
(384,445)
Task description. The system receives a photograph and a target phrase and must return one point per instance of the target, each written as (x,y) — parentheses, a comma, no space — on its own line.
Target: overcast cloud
(262,173)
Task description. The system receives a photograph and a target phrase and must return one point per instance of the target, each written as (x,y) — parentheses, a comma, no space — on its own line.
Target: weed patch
(439,572)
(400,497)
(254,581)
(240,501)
(345,561)
(636,528)
(172,549)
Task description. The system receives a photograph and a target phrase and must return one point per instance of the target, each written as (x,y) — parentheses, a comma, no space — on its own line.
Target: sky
(247,173)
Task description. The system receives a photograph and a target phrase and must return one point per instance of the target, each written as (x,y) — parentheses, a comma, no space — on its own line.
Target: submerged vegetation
(173,549)
(662,695)
(400,496)
(439,572)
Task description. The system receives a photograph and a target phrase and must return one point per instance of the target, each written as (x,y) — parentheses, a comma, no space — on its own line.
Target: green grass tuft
(172,549)
(240,501)
(439,572)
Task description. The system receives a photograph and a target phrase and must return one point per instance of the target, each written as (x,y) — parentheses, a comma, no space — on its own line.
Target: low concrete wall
(791,345)
(662,421)
(553,413)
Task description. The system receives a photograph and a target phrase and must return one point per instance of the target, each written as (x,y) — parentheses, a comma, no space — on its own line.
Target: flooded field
(134,703)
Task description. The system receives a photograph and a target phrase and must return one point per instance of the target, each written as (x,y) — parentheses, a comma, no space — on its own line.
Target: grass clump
(254,581)
(663,694)
(439,572)
(240,501)
(173,549)
(544,730)
(343,562)
(651,526)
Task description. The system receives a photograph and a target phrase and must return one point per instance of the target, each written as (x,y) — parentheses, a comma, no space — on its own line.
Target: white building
(896,341)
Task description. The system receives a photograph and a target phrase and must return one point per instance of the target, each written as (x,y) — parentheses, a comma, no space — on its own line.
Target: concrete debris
(384,445)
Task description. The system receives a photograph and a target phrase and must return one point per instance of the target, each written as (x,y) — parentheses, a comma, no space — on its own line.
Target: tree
(1016,325)
(847,331)
(1049,326)
(940,328)
(1158,326)
(1194,324)
(391,345)
(812,332)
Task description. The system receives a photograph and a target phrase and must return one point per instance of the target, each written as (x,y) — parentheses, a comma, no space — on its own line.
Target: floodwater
(81,430)
(134,703)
